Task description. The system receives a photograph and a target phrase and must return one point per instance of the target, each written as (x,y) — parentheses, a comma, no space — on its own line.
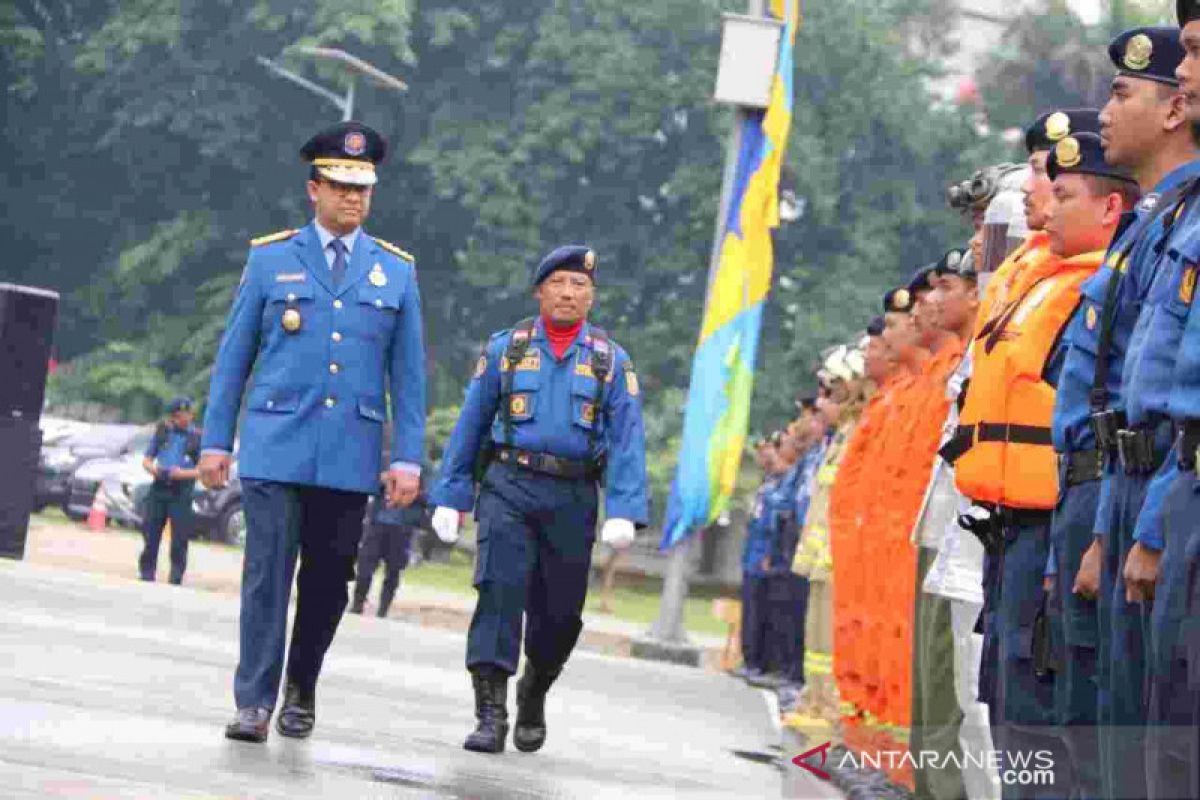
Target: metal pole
(669,627)
(348,105)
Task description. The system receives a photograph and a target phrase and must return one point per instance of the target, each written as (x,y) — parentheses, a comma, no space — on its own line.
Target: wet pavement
(114,688)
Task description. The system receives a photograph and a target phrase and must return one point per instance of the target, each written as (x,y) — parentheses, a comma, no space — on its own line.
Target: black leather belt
(1189,444)
(1083,466)
(548,464)
(1135,449)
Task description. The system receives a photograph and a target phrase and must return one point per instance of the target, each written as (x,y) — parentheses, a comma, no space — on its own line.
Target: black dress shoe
(250,725)
(299,713)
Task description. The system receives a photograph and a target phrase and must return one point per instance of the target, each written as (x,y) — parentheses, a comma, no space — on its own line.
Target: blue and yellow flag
(718,406)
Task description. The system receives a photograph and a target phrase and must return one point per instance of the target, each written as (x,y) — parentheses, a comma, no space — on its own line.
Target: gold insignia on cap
(901,299)
(1058,125)
(376,277)
(1066,152)
(1092,318)
(291,320)
(589,261)
(1137,52)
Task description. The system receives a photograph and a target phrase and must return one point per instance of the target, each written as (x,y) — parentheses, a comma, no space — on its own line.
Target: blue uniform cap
(875,327)
(920,280)
(572,258)
(955,262)
(1052,127)
(1082,155)
(1150,53)
(346,153)
(179,404)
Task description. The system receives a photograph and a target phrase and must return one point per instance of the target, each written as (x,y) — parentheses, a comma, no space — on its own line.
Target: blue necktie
(339,261)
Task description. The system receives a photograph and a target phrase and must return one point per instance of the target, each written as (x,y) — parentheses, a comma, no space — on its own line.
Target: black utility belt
(548,464)
(1189,444)
(1136,450)
(990,531)
(1082,466)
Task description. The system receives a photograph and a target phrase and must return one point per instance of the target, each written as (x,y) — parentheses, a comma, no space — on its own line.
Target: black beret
(1150,53)
(346,153)
(1083,155)
(571,258)
(875,327)
(1048,129)
(956,262)
(920,280)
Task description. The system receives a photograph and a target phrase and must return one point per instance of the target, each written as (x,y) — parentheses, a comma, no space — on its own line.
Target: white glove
(445,524)
(617,533)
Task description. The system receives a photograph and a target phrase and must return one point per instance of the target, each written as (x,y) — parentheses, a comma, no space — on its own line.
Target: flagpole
(667,638)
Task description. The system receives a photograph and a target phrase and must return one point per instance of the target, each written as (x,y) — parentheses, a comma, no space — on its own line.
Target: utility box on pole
(749,51)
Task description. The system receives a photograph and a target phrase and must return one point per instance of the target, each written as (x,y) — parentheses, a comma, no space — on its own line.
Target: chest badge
(1092,318)
(1187,285)
(291,320)
(376,277)
(518,406)
(588,413)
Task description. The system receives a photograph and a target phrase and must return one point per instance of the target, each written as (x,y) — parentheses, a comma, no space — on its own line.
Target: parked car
(60,458)
(126,483)
(219,514)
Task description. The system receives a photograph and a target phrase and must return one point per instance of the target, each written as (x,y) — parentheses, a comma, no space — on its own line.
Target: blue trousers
(1123,651)
(1076,683)
(754,620)
(171,501)
(1172,739)
(787,595)
(535,551)
(1025,723)
(989,659)
(285,522)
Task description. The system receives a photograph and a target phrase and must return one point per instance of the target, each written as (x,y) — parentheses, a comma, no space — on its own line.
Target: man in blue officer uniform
(553,408)
(1143,129)
(171,458)
(329,320)
(756,552)
(1169,524)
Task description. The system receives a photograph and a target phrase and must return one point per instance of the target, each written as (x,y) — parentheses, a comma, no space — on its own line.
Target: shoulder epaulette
(391,248)
(274,237)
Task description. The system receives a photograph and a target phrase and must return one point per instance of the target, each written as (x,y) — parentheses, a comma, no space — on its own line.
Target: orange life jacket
(1005,282)
(1009,406)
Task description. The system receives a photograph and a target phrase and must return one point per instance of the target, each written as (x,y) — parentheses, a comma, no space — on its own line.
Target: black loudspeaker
(20,443)
(27,318)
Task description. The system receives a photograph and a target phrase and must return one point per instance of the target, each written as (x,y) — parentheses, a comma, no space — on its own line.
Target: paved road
(112,688)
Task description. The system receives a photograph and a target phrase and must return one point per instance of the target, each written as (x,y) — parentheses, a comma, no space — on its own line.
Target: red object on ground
(97,518)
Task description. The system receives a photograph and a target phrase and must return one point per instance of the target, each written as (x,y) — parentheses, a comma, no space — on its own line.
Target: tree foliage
(149,145)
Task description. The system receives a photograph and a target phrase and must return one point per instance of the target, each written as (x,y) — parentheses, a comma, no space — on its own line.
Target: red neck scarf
(560,337)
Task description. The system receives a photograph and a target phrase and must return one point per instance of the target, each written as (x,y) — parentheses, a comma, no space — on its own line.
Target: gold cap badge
(1066,152)
(1137,52)
(1058,125)
(589,261)
(901,299)
(290,320)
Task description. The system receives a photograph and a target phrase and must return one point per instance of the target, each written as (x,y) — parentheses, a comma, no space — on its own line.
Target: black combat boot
(385,602)
(299,713)
(530,732)
(491,698)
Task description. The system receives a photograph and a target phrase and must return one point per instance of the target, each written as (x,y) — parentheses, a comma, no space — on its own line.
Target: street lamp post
(354,64)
